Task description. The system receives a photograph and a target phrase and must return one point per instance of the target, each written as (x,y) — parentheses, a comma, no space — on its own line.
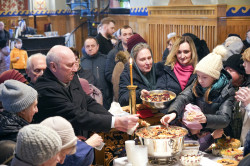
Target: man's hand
(126,122)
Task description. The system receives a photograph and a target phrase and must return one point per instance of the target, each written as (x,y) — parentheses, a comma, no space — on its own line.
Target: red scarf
(183,73)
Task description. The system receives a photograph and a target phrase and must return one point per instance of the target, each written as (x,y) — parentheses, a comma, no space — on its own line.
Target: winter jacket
(96,64)
(72,103)
(10,124)
(20,63)
(169,81)
(88,75)
(111,62)
(218,113)
(105,45)
(4,59)
(125,81)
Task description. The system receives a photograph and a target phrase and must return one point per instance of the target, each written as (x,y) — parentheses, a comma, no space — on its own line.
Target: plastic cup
(140,155)
(129,146)
(100,146)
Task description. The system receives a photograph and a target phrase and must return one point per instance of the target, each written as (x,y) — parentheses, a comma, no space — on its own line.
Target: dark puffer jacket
(10,124)
(125,81)
(169,81)
(96,64)
(218,113)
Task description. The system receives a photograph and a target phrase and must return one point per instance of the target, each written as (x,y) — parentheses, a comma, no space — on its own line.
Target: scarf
(150,78)
(183,73)
(217,86)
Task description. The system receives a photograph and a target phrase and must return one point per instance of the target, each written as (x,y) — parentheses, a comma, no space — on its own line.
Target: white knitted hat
(64,129)
(212,63)
(16,96)
(37,143)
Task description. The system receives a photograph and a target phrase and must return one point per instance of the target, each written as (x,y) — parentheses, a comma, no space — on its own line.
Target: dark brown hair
(107,20)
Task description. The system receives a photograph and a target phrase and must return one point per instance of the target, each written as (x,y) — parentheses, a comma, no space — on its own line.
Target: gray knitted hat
(37,143)
(16,96)
(65,131)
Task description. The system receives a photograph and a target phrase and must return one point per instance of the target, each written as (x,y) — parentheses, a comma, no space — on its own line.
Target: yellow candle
(131,73)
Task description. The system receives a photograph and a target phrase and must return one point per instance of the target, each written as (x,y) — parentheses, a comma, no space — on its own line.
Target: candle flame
(130,60)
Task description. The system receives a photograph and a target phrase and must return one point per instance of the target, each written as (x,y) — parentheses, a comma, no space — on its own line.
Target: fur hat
(16,96)
(64,129)
(134,40)
(235,62)
(12,74)
(212,63)
(36,144)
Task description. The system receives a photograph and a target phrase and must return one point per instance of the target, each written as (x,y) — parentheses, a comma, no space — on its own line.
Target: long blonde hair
(246,55)
(172,58)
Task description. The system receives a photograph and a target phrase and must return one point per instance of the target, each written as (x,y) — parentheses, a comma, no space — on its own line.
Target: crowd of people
(53,105)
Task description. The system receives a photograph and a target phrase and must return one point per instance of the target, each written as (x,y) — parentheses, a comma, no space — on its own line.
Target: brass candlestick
(132,98)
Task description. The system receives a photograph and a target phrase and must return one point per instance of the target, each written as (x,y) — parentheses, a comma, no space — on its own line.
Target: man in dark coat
(95,62)
(61,94)
(105,35)
(125,33)
(4,35)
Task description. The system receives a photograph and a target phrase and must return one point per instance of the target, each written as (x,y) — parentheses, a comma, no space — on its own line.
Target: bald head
(62,63)
(36,64)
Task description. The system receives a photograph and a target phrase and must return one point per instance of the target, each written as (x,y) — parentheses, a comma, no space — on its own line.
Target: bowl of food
(230,153)
(191,147)
(162,141)
(158,99)
(191,159)
(228,162)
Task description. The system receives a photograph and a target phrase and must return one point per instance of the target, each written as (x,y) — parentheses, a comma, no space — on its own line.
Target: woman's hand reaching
(144,92)
(165,120)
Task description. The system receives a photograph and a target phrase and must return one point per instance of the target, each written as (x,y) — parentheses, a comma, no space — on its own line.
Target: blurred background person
(4,56)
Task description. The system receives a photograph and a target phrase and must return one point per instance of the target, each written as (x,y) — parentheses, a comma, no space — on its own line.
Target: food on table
(191,160)
(162,132)
(144,123)
(159,97)
(230,153)
(228,162)
(224,143)
(239,157)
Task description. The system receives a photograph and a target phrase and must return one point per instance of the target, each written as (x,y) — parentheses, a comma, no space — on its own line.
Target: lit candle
(131,73)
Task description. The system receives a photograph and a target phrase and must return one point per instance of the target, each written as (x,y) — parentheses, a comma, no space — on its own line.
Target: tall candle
(131,73)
